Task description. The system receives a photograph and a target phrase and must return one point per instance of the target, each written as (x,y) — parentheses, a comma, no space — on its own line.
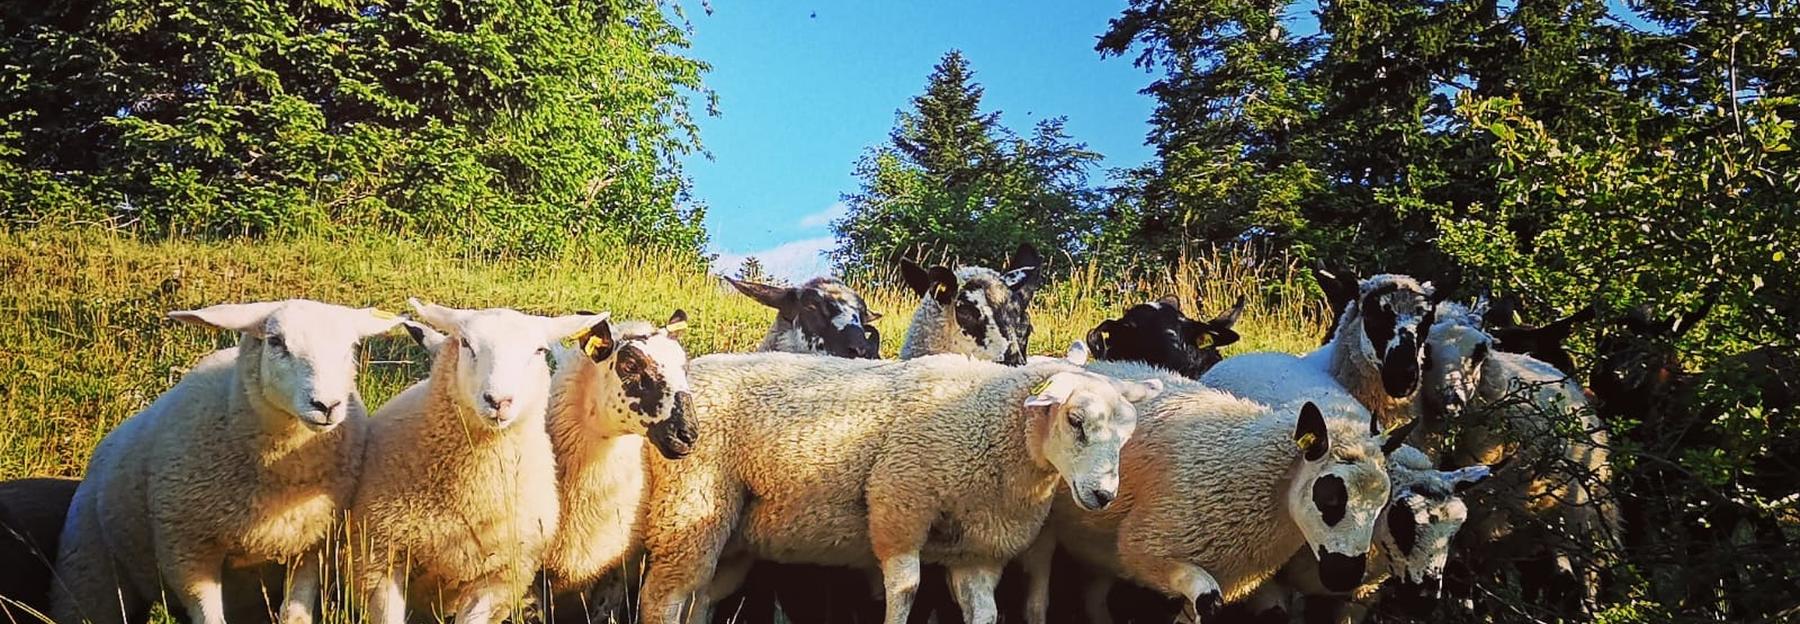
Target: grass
(84,342)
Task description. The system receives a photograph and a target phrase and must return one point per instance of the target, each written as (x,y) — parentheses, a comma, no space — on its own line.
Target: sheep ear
(374,321)
(916,277)
(1078,353)
(676,325)
(1097,337)
(943,284)
(596,341)
(1022,273)
(870,316)
(1397,436)
(427,338)
(1463,479)
(440,317)
(777,297)
(1310,434)
(1170,301)
(1139,391)
(1053,390)
(1229,317)
(572,326)
(239,317)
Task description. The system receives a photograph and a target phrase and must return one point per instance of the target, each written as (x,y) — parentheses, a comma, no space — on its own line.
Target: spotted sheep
(1158,333)
(877,464)
(1220,491)
(973,311)
(249,461)
(458,498)
(620,386)
(823,316)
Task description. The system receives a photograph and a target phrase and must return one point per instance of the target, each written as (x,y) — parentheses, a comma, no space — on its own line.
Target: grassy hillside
(84,343)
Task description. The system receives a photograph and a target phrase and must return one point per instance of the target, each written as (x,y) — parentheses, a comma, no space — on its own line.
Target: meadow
(85,343)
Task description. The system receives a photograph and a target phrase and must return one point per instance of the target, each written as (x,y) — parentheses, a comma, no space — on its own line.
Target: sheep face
(1422,517)
(1083,422)
(1158,333)
(1457,352)
(1396,315)
(1337,492)
(501,373)
(297,356)
(987,313)
(649,379)
(824,316)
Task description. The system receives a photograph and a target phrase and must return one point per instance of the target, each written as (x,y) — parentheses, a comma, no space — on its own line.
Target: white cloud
(794,261)
(824,217)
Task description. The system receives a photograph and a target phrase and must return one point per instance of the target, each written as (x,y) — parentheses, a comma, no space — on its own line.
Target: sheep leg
(727,577)
(1036,563)
(900,579)
(199,584)
(479,605)
(1093,597)
(974,588)
(1177,578)
(387,603)
(689,524)
(302,591)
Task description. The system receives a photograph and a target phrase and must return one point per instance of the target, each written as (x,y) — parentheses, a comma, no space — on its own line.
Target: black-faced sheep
(822,316)
(1158,333)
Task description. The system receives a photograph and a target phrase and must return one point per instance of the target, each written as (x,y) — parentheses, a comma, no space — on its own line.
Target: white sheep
(867,463)
(1219,491)
(458,497)
(249,460)
(973,311)
(621,385)
(1500,405)
(1375,354)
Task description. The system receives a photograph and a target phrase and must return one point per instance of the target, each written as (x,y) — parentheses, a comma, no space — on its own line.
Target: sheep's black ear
(943,284)
(783,299)
(1024,272)
(677,324)
(916,277)
(1397,437)
(1097,337)
(1229,317)
(1310,434)
(597,341)
(1210,336)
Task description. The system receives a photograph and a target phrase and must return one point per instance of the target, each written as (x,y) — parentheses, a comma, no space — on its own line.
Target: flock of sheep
(545,458)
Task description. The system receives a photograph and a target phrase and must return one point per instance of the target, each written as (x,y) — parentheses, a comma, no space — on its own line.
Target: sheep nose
(326,409)
(496,402)
(1104,498)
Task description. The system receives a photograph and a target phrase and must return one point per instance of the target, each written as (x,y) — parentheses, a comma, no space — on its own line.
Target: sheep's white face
(304,353)
(1396,315)
(1422,517)
(1338,491)
(1457,352)
(647,370)
(1086,419)
(502,374)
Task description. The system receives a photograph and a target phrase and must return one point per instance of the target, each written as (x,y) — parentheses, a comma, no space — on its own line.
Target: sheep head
(1079,423)
(829,316)
(648,377)
(501,372)
(1338,490)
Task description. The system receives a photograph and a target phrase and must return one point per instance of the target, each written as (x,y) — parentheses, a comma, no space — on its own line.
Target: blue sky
(805,87)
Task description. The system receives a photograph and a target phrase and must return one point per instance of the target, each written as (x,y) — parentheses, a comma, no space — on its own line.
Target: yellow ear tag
(382,314)
(675,327)
(591,345)
(573,340)
(1205,340)
(1305,440)
(1041,387)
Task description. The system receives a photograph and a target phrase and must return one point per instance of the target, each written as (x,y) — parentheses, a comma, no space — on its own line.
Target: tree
(752,271)
(503,123)
(954,181)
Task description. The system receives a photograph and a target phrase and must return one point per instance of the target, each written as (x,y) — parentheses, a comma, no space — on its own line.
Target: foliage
(752,271)
(956,182)
(504,123)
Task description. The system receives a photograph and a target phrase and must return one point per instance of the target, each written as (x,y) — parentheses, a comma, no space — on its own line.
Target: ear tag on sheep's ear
(1305,440)
(1052,391)
(1204,340)
(592,345)
(674,328)
(382,314)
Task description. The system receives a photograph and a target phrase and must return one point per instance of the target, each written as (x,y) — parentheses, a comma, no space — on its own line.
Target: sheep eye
(467,347)
(543,351)
(1075,423)
(277,342)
